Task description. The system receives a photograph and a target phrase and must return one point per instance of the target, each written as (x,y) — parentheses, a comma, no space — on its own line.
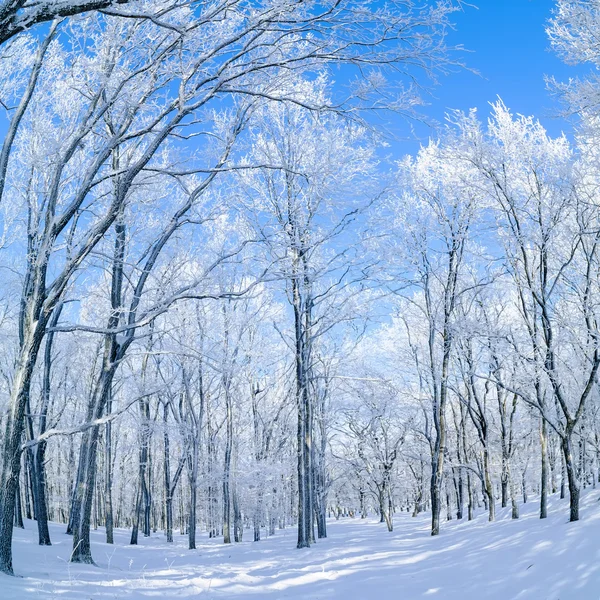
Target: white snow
(524,559)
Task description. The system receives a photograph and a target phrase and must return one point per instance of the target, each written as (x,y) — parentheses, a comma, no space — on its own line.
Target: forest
(231,306)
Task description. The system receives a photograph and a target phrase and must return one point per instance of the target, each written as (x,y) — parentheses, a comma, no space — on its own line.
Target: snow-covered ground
(528,558)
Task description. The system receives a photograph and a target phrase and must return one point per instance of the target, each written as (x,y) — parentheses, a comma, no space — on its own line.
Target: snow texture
(524,559)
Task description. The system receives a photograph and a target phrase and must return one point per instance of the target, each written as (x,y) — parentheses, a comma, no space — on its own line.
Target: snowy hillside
(524,559)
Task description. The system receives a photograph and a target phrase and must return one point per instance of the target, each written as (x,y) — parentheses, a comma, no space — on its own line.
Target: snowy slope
(525,559)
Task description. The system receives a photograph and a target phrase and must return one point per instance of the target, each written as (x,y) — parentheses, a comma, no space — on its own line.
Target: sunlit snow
(523,559)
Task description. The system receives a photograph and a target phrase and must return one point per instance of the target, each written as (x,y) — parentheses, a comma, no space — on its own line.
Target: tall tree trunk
(320,472)
(192,514)
(563,474)
(544,470)
(439,447)
(42,504)
(144,468)
(30,491)
(574,491)
(448,503)
(108,505)
(504,484)
(489,486)
(113,353)
(238,527)
(258,512)
(513,496)
(82,551)
(227,469)
(19,509)
(460,493)
(39,452)
(301,304)
(13,435)
(135,521)
(437,469)
(363,504)
(470,507)
(167,476)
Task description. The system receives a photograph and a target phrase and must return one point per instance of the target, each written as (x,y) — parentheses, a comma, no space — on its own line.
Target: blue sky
(508,46)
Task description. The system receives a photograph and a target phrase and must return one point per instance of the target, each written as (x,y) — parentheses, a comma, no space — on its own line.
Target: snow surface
(528,558)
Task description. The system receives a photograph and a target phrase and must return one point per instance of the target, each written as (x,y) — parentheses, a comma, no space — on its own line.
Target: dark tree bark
(39,452)
(544,469)
(108,505)
(228,438)
(574,491)
(17,16)
(238,526)
(301,304)
(170,484)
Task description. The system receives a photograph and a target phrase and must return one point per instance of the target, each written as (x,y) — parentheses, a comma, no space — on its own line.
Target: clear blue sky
(508,46)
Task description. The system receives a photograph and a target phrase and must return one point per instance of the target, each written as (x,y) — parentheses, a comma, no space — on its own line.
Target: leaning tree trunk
(459,491)
(170,485)
(135,522)
(574,491)
(39,453)
(33,319)
(82,551)
(82,511)
(113,354)
(13,434)
(33,481)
